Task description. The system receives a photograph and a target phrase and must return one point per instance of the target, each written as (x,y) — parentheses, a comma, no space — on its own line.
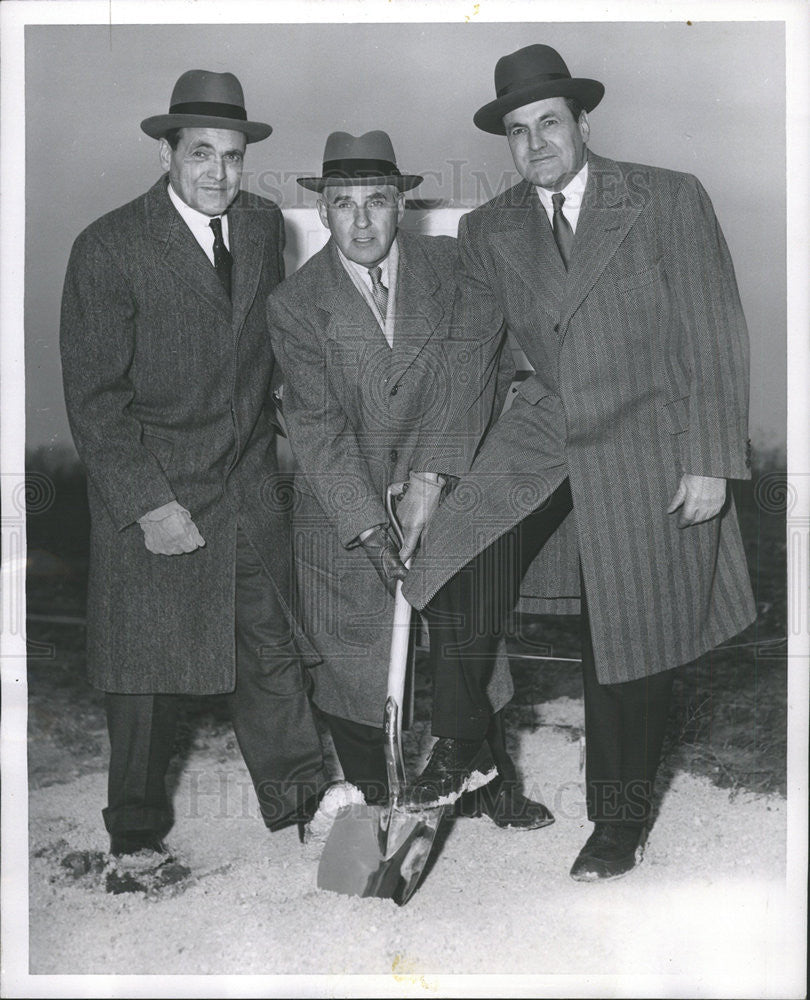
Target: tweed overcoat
(357,411)
(640,351)
(167,390)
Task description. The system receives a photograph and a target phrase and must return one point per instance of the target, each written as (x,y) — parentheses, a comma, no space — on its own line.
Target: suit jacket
(358,412)
(166,383)
(640,352)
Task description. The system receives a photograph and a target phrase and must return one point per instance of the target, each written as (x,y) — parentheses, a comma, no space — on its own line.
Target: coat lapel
(247,249)
(527,247)
(351,318)
(181,252)
(605,217)
(418,310)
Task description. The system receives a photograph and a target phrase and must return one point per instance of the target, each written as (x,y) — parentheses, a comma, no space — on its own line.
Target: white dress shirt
(573,191)
(362,282)
(199,224)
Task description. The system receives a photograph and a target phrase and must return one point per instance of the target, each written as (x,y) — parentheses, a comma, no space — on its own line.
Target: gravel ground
(706,913)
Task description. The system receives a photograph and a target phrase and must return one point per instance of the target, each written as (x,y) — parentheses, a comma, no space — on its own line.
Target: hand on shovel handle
(384,555)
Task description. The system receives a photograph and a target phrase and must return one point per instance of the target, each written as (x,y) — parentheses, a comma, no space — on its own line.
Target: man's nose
(218,167)
(361,219)
(536,138)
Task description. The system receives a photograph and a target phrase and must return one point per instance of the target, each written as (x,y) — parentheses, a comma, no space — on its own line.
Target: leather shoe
(446,773)
(135,842)
(507,806)
(610,851)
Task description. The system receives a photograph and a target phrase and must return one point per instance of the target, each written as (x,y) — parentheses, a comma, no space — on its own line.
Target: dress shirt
(362,282)
(573,191)
(200,224)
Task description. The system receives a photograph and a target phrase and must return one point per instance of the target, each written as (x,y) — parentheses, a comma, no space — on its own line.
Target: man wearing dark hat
(167,369)
(603,488)
(362,335)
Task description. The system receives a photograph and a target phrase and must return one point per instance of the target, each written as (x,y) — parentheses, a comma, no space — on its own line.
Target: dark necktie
(223,262)
(378,290)
(563,233)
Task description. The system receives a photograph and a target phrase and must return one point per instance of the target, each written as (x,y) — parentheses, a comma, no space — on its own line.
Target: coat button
(395,390)
(393,455)
(556,327)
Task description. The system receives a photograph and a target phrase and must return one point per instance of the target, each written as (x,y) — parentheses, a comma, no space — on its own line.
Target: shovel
(382,850)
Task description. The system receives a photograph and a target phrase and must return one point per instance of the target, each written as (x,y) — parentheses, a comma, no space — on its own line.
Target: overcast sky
(707,98)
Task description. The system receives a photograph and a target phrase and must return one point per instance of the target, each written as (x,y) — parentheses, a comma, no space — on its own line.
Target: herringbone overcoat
(167,390)
(640,351)
(357,411)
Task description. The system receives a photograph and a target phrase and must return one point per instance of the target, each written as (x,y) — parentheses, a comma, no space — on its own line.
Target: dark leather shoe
(133,843)
(507,806)
(610,851)
(446,773)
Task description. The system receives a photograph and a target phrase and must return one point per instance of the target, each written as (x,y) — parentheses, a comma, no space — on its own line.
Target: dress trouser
(270,709)
(360,752)
(624,723)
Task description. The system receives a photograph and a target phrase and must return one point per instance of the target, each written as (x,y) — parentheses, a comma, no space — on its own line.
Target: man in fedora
(167,369)
(604,487)
(362,335)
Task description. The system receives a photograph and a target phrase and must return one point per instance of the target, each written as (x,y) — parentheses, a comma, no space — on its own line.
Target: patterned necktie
(223,262)
(378,290)
(563,233)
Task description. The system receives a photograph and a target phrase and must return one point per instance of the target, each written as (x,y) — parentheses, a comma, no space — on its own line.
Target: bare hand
(170,531)
(702,498)
(416,508)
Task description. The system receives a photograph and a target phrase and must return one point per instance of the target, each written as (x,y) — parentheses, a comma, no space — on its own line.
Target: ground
(705,914)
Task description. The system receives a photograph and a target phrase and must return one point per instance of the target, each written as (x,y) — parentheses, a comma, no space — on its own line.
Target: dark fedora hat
(202,99)
(531,74)
(365,159)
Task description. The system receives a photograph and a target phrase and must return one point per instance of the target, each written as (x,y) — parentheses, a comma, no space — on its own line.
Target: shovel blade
(360,860)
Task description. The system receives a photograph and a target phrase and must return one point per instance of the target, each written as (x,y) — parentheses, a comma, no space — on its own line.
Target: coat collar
(526,242)
(418,309)
(183,255)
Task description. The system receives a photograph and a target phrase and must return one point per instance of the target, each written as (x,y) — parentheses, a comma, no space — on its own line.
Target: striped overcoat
(640,352)
(357,412)
(167,389)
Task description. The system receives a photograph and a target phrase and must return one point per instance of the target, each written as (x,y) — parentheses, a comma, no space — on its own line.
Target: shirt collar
(196,221)
(362,271)
(573,190)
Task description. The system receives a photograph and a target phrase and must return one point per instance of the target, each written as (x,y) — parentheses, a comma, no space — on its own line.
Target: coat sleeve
(97,339)
(322,439)
(716,339)
(474,357)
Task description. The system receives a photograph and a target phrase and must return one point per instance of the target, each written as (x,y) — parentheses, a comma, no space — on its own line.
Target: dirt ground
(703,915)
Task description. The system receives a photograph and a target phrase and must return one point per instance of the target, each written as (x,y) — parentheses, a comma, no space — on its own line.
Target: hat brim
(158,125)
(402,182)
(490,118)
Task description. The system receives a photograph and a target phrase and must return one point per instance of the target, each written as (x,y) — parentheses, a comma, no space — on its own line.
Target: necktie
(223,262)
(378,290)
(563,233)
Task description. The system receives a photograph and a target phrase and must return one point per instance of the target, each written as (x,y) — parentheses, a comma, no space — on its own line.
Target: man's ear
(400,206)
(584,126)
(322,213)
(165,152)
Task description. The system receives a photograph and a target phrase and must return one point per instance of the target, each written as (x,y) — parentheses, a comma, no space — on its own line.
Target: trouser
(270,709)
(624,723)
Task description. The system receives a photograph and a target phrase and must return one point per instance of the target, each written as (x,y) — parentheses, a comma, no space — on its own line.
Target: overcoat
(640,351)
(167,390)
(357,411)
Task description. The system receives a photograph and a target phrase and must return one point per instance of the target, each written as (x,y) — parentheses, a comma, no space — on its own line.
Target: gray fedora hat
(202,99)
(533,73)
(349,159)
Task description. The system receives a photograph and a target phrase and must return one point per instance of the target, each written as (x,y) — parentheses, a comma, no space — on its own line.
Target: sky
(705,97)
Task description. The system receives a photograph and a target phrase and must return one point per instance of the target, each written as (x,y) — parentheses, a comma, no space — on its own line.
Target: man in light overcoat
(361,332)
(167,368)
(607,477)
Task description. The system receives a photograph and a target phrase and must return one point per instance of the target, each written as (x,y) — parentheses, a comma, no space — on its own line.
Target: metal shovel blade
(355,863)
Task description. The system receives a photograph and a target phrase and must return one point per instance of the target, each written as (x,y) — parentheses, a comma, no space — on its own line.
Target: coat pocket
(533,390)
(638,279)
(676,413)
